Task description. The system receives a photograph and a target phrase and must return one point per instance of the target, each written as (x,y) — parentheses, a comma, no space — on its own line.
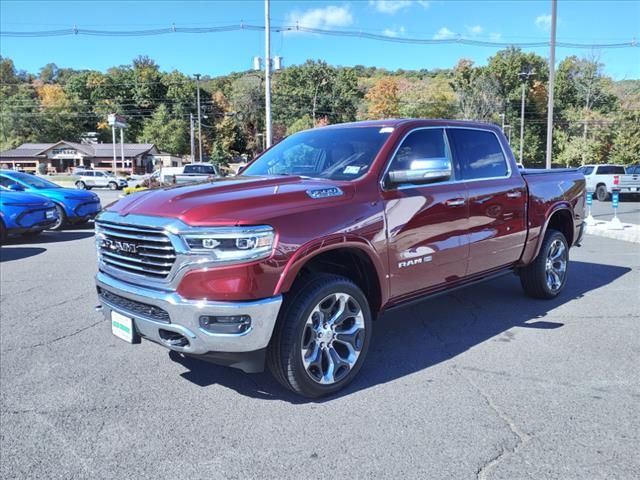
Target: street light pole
(115,165)
(267,71)
(197,75)
(552,77)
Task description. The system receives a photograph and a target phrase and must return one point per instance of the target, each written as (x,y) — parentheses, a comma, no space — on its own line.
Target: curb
(628,233)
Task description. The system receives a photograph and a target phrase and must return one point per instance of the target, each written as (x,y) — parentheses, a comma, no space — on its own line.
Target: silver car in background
(88,179)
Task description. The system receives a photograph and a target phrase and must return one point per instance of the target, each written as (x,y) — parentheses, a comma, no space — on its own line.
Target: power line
(454,39)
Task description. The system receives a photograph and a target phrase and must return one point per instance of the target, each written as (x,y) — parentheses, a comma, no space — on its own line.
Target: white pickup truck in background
(602,179)
(197,172)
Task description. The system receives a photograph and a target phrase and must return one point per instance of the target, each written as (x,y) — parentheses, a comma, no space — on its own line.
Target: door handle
(455,202)
(514,194)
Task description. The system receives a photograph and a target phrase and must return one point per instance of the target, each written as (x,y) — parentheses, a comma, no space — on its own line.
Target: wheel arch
(560,218)
(353,259)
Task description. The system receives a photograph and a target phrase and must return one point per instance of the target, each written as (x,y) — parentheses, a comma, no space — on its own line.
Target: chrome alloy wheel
(332,338)
(556,265)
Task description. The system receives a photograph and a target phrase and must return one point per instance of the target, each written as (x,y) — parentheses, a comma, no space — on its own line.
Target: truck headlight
(232,244)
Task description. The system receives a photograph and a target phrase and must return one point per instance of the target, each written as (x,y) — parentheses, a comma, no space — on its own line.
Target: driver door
(426,223)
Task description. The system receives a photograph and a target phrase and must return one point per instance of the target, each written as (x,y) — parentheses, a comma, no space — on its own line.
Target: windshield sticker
(351,170)
(386,130)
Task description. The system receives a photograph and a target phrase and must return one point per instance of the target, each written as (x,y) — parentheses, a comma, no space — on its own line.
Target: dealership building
(64,156)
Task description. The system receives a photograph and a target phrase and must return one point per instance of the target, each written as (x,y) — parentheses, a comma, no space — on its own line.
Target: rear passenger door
(497,199)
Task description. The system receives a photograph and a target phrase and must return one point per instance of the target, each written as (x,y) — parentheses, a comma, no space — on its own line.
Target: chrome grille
(134,249)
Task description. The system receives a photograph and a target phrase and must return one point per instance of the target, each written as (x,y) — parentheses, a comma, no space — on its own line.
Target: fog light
(225,323)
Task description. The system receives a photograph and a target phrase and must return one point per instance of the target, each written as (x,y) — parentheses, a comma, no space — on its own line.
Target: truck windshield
(33,181)
(333,153)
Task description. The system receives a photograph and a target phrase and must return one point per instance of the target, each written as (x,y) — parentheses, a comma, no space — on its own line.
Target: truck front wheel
(322,336)
(546,276)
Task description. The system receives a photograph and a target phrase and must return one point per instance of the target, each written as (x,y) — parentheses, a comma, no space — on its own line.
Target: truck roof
(413,122)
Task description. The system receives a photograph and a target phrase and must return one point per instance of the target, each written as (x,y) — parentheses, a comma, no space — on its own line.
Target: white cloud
(443,34)
(495,36)
(389,6)
(393,32)
(423,3)
(474,29)
(543,22)
(326,18)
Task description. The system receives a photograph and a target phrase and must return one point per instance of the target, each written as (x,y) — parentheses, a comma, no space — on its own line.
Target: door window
(5,181)
(420,149)
(478,153)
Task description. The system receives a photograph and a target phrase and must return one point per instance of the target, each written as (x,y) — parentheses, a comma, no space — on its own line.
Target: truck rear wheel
(322,336)
(601,193)
(546,276)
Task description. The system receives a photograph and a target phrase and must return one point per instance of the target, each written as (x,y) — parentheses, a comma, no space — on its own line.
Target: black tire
(31,234)
(80,185)
(535,278)
(601,193)
(3,233)
(284,356)
(113,186)
(62,219)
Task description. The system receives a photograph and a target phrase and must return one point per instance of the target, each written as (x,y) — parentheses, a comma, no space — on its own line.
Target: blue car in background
(73,206)
(25,213)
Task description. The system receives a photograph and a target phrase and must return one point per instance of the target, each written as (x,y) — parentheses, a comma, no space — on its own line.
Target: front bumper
(156,312)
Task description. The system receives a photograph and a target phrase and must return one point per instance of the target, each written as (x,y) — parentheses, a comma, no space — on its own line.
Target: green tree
(315,89)
(167,133)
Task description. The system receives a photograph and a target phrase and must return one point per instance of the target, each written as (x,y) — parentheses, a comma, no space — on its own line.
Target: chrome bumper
(184,318)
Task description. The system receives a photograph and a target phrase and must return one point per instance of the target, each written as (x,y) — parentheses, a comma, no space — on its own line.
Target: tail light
(616,179)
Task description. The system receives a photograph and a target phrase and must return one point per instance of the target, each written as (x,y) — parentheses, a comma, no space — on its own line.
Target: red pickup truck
(290,262)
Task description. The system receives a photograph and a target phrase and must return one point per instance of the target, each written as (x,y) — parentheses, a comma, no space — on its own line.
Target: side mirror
(422,171)
(16,187)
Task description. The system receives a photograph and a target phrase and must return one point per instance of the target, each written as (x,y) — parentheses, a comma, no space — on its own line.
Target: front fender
(340,241)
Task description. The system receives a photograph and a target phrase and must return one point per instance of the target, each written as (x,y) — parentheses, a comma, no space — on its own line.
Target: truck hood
(236,200)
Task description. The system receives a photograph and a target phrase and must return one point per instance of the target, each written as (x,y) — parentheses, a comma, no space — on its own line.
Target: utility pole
(524,78)
(197,75)
(193,141)
(122,146)
(552,78)
(267,71)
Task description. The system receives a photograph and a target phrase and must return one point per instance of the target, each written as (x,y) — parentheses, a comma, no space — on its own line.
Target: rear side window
(610,170)
(477,153)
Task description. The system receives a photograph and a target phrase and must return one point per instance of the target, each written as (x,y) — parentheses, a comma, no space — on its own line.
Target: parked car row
(31,204)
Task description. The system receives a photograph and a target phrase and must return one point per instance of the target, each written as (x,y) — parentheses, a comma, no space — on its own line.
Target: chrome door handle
(456,202)
(516,194)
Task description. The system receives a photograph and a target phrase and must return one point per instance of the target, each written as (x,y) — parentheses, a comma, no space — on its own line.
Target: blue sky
(590,21)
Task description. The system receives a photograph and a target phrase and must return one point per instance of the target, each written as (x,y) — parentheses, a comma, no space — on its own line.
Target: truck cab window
(478,153)
(418,149)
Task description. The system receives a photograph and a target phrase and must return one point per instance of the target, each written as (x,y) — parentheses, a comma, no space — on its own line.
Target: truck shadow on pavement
(18,253)
(410,339)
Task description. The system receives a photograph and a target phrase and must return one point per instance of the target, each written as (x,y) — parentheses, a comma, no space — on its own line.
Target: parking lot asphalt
(628,210)
(480,383)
